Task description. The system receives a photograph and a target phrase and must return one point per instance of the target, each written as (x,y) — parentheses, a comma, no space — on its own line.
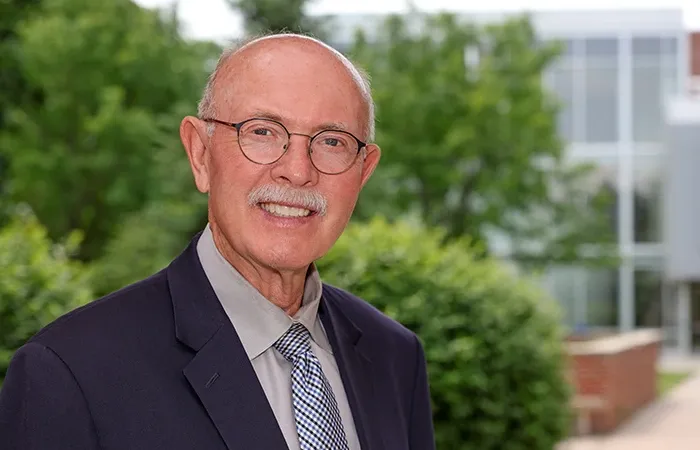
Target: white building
(618,71)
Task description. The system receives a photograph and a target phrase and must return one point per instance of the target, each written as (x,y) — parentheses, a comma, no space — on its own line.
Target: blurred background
(537,186)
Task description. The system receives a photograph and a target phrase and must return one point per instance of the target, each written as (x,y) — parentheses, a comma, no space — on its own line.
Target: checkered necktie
(319,426)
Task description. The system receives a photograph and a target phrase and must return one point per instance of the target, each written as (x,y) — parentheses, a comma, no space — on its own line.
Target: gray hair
(207,104)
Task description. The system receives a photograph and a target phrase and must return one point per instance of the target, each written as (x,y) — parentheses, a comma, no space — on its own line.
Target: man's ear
(372,155)
(195,140)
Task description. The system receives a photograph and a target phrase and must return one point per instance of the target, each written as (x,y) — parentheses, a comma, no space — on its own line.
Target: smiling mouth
(284,210)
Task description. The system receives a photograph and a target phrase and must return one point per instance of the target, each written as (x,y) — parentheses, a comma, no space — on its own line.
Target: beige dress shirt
(259,323)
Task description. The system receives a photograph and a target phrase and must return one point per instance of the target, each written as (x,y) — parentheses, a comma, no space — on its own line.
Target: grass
(669,380)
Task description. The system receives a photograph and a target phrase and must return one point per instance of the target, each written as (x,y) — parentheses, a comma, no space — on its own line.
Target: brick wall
(695,53)
(625,381)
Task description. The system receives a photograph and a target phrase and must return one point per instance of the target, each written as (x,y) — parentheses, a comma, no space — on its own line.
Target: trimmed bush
(493,342)
(38,282)
(146,242)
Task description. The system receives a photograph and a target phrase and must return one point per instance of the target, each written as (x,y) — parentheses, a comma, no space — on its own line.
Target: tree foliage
(147,241)
(12,84)
(469,137)
(494,348)
(39,281)
(115,80)
(263,16)
(13,87)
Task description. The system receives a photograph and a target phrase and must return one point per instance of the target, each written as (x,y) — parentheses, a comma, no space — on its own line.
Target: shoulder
(396,350)
(139,308)
(370,319)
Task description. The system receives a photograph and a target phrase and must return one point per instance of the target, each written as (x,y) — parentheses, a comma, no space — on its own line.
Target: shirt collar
(258,322)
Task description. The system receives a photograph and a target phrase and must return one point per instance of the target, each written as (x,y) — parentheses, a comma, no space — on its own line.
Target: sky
(214,19)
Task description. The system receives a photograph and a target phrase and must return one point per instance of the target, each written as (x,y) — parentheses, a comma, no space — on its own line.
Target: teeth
(284,211)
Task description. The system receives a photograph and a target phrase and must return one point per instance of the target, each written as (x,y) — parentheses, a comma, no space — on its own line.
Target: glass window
(602,292)
(651,85)
(669,46)
(650,50)
(602,185)
(648,294)
(562,284)
(695,317)
(601,100)
(588,296)
(644,259)
(669,77)
(648,198)
(601,47)
(562,85)
(669,316)
(596,94)
(646,103)
(654,46)
(654,77)
(646,46)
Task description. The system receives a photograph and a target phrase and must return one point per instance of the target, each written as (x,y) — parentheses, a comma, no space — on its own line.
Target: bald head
(256,56)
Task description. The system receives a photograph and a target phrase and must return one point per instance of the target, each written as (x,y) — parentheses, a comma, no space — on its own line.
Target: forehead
(302,84)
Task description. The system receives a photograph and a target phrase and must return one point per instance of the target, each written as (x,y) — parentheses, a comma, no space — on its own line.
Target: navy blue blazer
(158,365)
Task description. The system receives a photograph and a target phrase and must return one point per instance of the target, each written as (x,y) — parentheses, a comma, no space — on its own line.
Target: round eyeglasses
(265,141)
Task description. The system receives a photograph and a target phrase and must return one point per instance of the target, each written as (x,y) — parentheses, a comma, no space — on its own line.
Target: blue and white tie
(319,425)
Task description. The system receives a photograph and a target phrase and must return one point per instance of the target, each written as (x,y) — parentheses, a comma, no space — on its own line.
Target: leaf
(110,93)
(39,282)
(492,340)
(465,139)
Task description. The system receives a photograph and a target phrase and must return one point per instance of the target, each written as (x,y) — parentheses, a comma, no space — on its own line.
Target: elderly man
(238,344)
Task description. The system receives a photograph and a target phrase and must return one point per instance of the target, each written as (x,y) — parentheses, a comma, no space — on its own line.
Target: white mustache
(303,198)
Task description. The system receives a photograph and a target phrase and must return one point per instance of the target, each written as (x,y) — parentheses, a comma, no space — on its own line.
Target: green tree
(39,281)
(13,87)
(469,137)
(493,344)
(115,80)
(262,16)
(149,239)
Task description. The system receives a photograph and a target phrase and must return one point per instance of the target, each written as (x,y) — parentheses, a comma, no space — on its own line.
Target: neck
(283,288)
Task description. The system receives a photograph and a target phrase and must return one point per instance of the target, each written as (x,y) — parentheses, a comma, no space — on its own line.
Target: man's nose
(295,165)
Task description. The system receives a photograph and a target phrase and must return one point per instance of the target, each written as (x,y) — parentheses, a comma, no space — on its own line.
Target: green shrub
(492,339)
(38,282)
(147,241)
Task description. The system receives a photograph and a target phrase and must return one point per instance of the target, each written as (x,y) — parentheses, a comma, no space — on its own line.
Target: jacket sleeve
(422,436)
(42,406)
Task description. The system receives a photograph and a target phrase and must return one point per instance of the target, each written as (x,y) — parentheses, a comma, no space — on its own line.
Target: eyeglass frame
(237,126)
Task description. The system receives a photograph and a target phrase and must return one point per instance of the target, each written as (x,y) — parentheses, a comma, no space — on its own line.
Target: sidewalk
(672,423)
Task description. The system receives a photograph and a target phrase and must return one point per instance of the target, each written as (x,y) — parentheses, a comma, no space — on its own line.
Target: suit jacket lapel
(225,382)
(220,373)
(354,366)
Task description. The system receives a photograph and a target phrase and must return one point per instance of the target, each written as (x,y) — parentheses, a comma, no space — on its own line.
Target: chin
(283,261)
(287,255)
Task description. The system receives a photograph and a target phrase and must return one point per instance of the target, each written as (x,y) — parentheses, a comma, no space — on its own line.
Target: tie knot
(294,342)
